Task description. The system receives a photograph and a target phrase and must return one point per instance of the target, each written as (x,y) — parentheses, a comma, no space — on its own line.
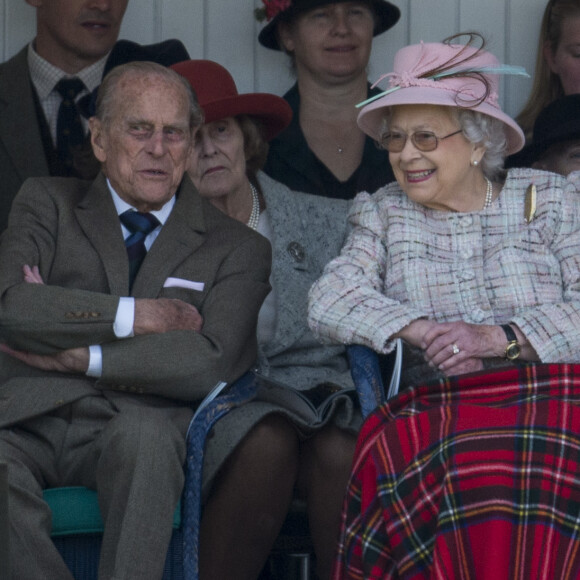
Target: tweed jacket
(70,229)
(307,232)
(404,261)
(21,149)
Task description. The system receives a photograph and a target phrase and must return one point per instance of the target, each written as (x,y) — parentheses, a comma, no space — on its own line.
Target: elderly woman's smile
(442,178)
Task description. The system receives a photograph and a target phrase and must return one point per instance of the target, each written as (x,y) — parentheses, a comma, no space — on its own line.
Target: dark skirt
(273,398)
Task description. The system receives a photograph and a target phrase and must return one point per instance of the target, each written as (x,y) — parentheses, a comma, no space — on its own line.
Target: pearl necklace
(488,194)
(255,215)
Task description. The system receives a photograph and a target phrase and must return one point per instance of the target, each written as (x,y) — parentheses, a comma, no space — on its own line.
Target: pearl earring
(475,163)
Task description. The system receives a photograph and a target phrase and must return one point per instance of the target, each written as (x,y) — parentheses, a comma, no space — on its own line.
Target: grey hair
(479,129)
(106,98)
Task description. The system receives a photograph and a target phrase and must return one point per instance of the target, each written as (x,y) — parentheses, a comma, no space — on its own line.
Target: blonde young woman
(557,70)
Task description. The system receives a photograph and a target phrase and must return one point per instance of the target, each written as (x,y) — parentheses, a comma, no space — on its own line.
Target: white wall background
(226,31)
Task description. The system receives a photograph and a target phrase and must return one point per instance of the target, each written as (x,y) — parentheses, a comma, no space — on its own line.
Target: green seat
(75,510)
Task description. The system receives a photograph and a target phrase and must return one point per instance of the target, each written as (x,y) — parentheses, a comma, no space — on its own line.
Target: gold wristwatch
(512,350)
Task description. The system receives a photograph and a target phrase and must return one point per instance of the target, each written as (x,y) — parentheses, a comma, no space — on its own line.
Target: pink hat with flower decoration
(446,74)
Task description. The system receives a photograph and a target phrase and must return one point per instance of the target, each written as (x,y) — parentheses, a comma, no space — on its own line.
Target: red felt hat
(218,96)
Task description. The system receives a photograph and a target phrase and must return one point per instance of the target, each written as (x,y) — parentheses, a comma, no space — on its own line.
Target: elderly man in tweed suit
(97,374)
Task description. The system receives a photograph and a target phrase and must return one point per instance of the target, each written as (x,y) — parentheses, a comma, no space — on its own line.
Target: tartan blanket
(473,477)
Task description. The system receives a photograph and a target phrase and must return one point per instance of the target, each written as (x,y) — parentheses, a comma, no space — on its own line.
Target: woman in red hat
(262,452)
(329,42)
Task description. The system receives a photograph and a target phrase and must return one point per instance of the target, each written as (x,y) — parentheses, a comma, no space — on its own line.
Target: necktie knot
(69,88)
(140,225)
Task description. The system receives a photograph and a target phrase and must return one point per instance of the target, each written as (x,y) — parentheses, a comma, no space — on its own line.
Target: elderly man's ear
(97,139)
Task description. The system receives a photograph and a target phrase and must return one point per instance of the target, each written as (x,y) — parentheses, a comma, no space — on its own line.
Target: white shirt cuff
(95,369)
(125,317)
(122,327)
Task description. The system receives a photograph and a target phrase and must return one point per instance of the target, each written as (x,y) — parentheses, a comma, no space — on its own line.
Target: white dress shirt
(45,76)
(125,317)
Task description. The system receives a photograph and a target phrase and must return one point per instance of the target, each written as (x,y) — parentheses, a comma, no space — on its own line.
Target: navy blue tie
(140,225)
(70,134)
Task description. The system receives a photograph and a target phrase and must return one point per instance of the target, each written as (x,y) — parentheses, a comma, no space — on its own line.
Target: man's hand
(158,315)
(152,316)
(32,275)
(74,360)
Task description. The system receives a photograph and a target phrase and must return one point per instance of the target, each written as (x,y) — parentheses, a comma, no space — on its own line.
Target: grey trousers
(133,459)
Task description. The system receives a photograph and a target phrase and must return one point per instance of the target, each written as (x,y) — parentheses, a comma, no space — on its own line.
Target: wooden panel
(273,71)
(225,30)
(522,31)
(386,45)
(139,21)
(487,18)
(433,20)
(184,19)
(231,39)
(19,27)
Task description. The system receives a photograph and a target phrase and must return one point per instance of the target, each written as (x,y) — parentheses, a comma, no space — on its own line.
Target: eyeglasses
(423,140)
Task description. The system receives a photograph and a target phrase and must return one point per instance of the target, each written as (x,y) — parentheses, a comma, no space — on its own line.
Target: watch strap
(509,333)
(512,349)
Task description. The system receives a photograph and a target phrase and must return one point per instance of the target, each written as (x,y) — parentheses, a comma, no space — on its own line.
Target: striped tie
(140,225)
(70,134)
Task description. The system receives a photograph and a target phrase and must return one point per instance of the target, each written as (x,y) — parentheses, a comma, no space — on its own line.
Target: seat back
(376,376)
(77,529)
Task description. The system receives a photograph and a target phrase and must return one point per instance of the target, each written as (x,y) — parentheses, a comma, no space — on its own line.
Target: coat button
(296,251)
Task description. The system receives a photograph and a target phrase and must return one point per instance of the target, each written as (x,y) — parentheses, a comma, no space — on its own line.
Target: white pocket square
(181,283)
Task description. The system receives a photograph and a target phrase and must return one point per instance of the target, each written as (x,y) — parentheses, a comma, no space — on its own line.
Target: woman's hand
(458,347)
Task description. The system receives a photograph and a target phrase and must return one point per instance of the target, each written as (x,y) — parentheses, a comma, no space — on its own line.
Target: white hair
(481,129)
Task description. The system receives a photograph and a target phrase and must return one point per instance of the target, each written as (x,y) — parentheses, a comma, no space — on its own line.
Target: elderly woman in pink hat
(266,450)
(473,268)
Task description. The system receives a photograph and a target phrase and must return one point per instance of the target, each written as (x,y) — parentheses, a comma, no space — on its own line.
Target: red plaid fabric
(476,477)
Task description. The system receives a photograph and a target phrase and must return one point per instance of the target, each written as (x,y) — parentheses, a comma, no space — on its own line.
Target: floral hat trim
(271,9)
(457,66)
(403,81)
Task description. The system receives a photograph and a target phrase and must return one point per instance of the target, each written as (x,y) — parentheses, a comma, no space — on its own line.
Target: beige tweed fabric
(403,261)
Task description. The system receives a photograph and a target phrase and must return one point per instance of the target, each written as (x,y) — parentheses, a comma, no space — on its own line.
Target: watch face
(512,351)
